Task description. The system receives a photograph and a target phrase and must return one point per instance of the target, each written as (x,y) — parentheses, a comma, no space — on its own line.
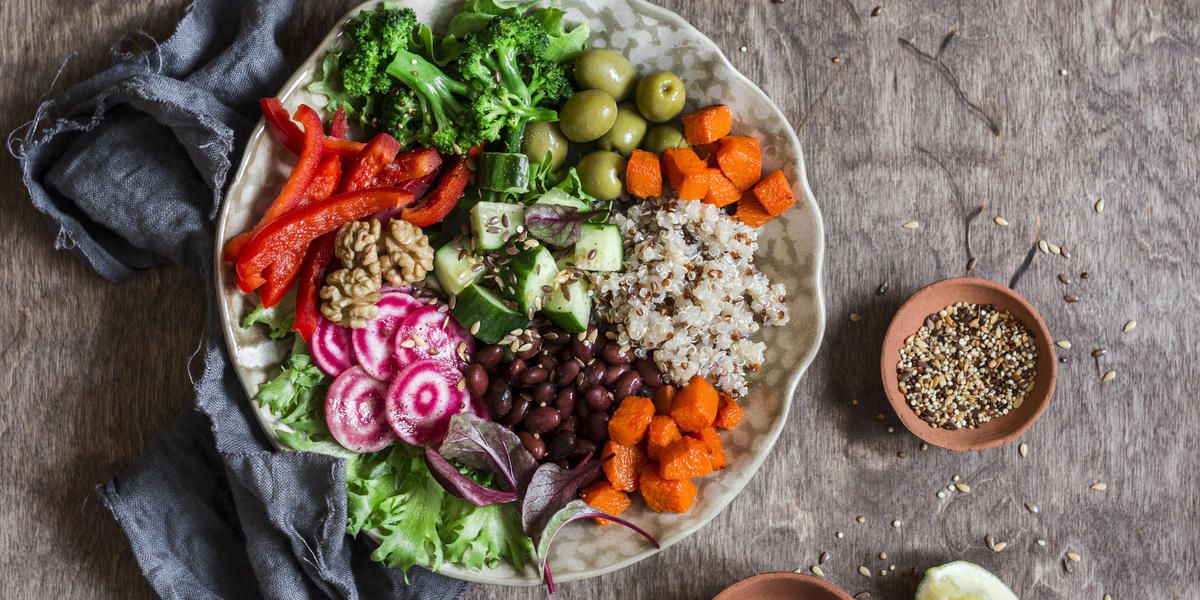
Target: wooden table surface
(1033,110)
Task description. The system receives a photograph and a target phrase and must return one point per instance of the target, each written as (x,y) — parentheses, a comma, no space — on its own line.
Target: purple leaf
(556,224)
(551,488)
(481,444)
(461,486)
(573,511)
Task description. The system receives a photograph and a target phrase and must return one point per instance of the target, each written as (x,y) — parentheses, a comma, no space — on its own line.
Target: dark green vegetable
(660,96)
(587,115)
(605,70)
(505,172)
(448,120)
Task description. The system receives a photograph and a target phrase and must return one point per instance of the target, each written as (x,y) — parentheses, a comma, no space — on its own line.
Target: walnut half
(406,254)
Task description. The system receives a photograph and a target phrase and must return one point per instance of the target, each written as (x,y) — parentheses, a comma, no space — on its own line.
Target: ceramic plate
(790,251)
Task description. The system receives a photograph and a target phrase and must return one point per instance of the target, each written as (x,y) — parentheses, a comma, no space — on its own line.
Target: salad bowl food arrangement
(523,266)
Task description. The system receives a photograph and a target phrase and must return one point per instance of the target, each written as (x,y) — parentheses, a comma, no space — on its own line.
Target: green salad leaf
(565,45)
(475,14)
(408,519)
(278,319)
(329,85)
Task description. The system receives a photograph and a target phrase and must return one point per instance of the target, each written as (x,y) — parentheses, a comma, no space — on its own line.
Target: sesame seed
(962,487)
(1064,344)
(1001,221)
(1130,325)
(1023,449)
(839,535)
(911,224)
(864,571)
(1073,556)
(1109,376)
(1099,206)
(896,523)
(860,519)
(883,556)
(817,571)
(855,317)
(1031,507)
(1099,486)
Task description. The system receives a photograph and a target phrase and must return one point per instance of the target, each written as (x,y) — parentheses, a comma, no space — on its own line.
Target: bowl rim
(298,78)
(954,440)
(810,580)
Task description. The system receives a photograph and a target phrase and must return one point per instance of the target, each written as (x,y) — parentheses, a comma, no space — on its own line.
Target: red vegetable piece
(338,126)
(442,199)
(312,273)
(379,152)
(409,165)
(307,223)
(295,189)
(290,136)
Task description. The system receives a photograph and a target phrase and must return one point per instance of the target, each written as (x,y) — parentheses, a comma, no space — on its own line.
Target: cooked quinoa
(689,291)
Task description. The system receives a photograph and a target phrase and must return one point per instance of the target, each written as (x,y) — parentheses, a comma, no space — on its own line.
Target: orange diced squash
(603,496)
(663,495)
(643,175)
(686,458)
(662,433)
(721,191)
(707,125)
(750,212)
(774,193)
(740,160)
(729,412)
(628,424)
(706,152)
(695,406)
(663,397)
(623,468)
(686,172)
(712,441)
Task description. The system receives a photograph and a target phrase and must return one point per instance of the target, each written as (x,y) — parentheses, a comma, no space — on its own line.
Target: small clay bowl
(783,586)
(935,297)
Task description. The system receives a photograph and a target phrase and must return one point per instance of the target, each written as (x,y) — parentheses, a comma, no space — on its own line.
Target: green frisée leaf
(298,392)
(408,523)
(278,319)
(475,14)
(565,45)
(478,536)
(329,85)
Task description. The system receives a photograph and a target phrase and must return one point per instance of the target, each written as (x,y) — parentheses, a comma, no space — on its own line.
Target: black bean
(597,398)
(593,374)
(547,362)
(542,419)
(651,376)
(520,406)
(596,428)
(584,446)
(567,372)
(568,424)
(489,356)
(477,380)
(533,444)
(514,370)
(499,397)
(564,401)
(560,445)
(544,393)
(628,385)
(556,338)
(613,373)
(612,354)
(581,349)
(534,375)
(582,410)
(529,353)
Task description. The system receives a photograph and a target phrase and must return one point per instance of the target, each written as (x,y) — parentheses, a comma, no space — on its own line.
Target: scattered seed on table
(956,478)
(864,571)
(1071,298)
(1064,279)
(999,546)
(1033,508)
(941,494)
(1109,376)
(1054,248)
(1099,486)
(901,454)
(1074,557)
(818,571)
(1023,449)
(1064,344)
(863,595)
(883,556)
(875,11)
(1066,565)
(855,317)
(823,558)
(1043,246)
(1001,221)
(1108,597)
(883,288)
(962,487)
(742,49)
(837,60)
(1041,542)
(924,446)
(860,519)
(891,429)
(1130,325)
(1098,352)
(840,535)
(911,224)
(1099,206)
(896,523)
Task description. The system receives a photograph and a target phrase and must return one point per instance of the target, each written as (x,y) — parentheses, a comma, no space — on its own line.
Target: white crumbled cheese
(689,292)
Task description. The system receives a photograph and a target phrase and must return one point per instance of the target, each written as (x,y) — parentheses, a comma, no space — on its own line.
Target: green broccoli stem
(506,64)
(437,92)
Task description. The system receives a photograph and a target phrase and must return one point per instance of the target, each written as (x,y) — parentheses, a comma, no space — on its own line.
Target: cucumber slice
(485,315)
(962,580)
(529,274)
(454,265)
(503,172)
(562,198)
(570,306)
(494,222)
(599,248)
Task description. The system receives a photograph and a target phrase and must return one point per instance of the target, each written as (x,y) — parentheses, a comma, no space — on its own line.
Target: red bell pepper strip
(380,151)
(290,136)
(441,199)
(308,285)
(409,165)
(282,274)
(337,126)
(305,224)
(295,189)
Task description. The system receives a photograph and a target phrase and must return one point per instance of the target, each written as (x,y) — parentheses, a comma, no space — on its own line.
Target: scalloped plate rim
(482,576)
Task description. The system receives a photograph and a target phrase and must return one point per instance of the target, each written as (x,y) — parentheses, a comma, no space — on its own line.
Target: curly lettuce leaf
(297,393)
(278,319)
(409,518)
(329,84)
(482,536)
(565,44)
(476,14)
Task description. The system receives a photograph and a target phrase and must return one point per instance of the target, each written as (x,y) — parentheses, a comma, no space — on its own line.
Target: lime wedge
(962,580)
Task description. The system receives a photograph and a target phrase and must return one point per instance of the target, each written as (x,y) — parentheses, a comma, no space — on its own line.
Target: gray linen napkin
(131,166)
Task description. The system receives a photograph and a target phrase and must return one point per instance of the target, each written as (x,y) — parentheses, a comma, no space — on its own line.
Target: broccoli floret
(376,35)
(446,106)
(398,111)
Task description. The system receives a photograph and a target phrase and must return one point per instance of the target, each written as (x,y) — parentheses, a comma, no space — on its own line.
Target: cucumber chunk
(485,315)
(599,248)
(528,275)
(503,172)
(454,265)
(570,306)
(562,198)
(494,222)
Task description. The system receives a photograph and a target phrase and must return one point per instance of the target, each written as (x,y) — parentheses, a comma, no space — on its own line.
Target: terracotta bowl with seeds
(783,586)
(935,297)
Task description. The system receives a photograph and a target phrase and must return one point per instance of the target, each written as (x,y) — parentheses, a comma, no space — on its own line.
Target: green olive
(660,96)
(605,70)
(602,174)
(626,133)
(661,137)
(587,115)
(541,139)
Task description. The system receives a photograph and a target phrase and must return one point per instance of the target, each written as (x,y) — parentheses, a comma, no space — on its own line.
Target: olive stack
(559,391)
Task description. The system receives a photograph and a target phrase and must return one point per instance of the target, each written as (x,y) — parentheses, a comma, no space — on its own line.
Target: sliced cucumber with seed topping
(485,314)
(493,223)
(455,267)
(529,278)
(570,306)
(599,248)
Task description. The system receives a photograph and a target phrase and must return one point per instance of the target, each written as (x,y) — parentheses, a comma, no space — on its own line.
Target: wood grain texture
(1031,109)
